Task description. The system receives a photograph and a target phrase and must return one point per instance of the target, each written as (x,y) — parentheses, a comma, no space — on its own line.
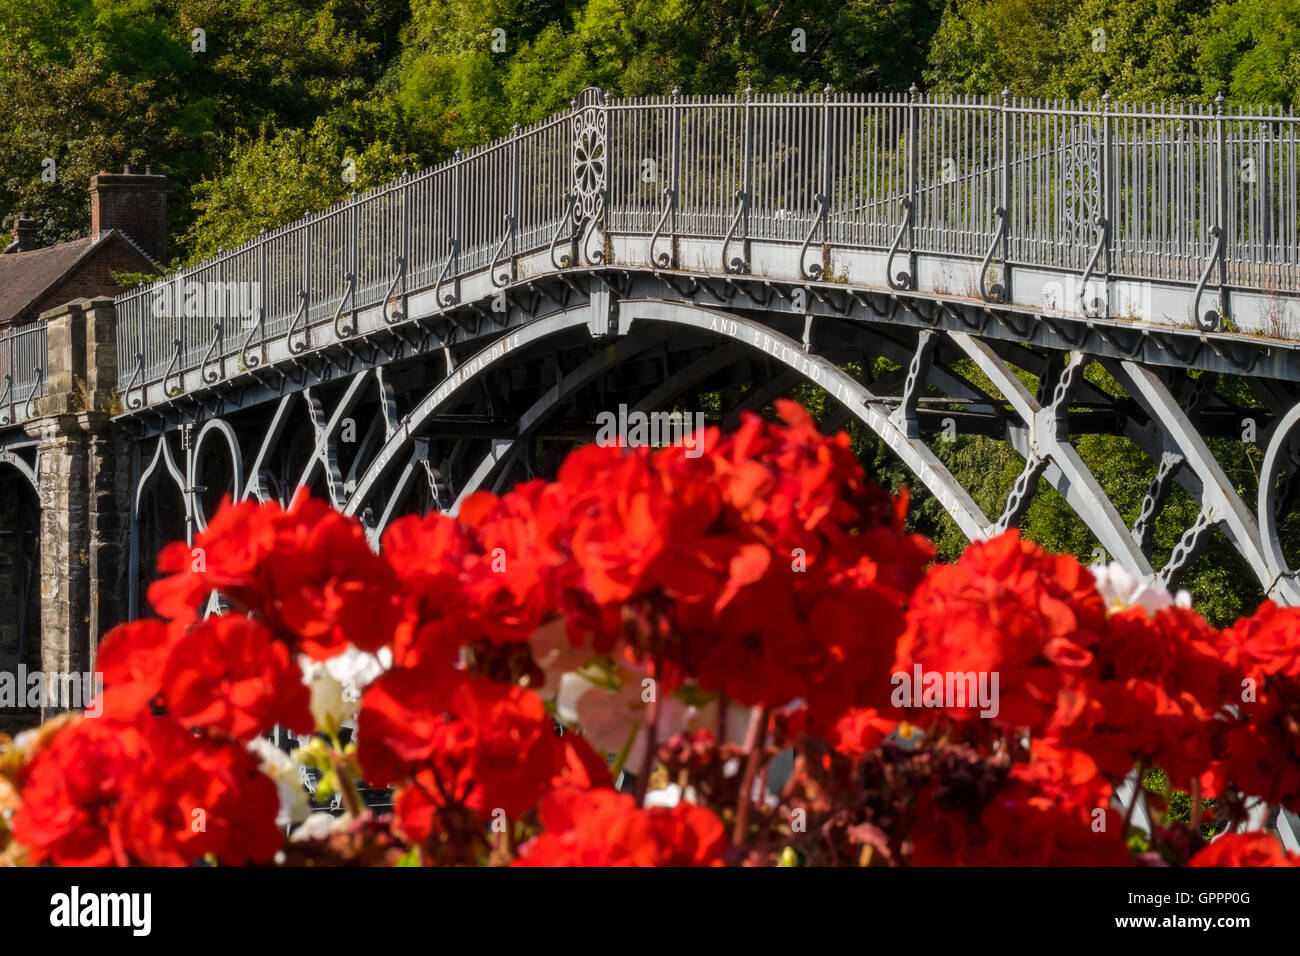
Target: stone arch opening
(20,590)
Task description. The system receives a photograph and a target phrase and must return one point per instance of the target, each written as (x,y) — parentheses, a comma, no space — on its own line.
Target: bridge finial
(826,91)
(1006,93)
(515,128)
(749,90)
(1219,100)
(1106,98)
(912,91)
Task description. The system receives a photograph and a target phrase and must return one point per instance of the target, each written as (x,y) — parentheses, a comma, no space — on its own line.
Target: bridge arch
(740,329)
(26,469)
(197,460)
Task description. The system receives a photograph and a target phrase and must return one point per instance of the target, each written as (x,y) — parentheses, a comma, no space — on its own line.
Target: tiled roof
(24,276)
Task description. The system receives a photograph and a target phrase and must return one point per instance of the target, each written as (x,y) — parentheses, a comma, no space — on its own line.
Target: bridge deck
(1165,218)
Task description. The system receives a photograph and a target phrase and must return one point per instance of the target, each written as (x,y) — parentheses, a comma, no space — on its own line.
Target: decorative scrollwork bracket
(736,265)
(212,375)
(174,366)
(454,297)
(564,262)
(250,360)
(813,271)
(1090,307)
(1212,318)
(503,280)
(905,280)
(347,329)
(996,292)
(300,317)
(664,260)
(136,376)
(593,226)
(393,316)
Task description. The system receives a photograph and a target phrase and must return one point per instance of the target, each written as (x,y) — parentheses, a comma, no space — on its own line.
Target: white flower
(356,669)
(1120,589)
(337,683)
(669,796)
(283,770)
(318,826)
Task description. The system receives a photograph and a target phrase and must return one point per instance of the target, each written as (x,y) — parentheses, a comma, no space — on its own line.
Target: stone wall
(83,470)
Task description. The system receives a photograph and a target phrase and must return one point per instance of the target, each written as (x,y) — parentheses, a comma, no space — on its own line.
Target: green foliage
(1251,48)
(458,90)
(276,178)
(255,128)
(1139,49)
(93,84)
(1179,808)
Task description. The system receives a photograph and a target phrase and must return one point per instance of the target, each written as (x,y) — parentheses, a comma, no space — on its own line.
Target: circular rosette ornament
(589,159)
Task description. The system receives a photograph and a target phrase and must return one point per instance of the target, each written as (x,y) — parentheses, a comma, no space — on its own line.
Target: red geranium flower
(307,570)
(1245,849)
(193,797)
(605,828)
(105,792)
(132,658)
(228,673)
(73,791)
(1006,607)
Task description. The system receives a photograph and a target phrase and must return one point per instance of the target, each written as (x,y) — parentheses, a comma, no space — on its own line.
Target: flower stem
(621,757)
(352,801)
(754,736)
(651,740)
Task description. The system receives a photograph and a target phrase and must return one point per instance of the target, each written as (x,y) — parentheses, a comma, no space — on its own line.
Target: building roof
(27,276)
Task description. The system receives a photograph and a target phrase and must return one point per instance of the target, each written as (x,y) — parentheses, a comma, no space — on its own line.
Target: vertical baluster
(404,195)
(1221,200)
(1107,199)
(354,274)
(1004,190)
(913,199)
(263,295)
(676,183)
(309,233)
(516,174)
(11,383)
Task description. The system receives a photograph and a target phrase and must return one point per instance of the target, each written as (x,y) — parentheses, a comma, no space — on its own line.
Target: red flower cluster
(465,743)
(110,792)
(763,591)
(604,828)
(163,777)
(1006,607)
(1245,849)
(307,570)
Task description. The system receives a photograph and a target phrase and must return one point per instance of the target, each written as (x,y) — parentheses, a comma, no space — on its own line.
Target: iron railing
(23,368)
(1197,195)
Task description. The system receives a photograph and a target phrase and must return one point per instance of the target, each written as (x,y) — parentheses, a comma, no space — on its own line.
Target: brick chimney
(24,233)
(132,202)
